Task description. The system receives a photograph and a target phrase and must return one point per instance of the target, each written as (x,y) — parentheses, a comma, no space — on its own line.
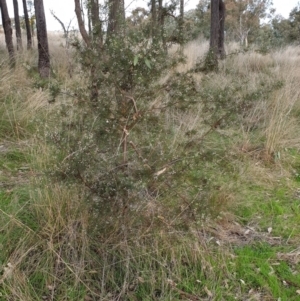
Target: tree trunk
(116,17)
(161,23)
(216,46)
(221,47)
(89,14)
(43,48)
(96,23)
(7,29)
(214,34)
(17,24)
(154,20)
(27,23)
(81,26)
(181,22)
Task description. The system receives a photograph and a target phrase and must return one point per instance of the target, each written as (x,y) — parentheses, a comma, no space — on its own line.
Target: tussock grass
(20,104)
(18,116)
(39,254)
(252,62)
(282,129)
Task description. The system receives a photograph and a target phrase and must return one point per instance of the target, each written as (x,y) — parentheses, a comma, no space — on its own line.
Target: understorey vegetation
(135,173)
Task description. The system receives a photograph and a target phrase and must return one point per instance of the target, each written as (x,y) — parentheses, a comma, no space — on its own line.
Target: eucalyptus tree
(216,45)
(27,24)
(181,22)
(96,23)
(244,17)
(116,17)
(7,29)
(17,25)
(42,37)
(221,34)
(81,25)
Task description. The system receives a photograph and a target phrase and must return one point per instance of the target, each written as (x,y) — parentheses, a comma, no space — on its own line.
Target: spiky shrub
(113,137)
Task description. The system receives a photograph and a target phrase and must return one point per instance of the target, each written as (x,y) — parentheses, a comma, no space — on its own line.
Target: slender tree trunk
(161,23)
(121,20)
(221,38)
(241,32)
(214,34)
(116,17)
(96,22)
(181,22)
(87,39)
(81,26)
(89,14)
(153,20)
(17,24)
(7,29)
(27,23)
(42,37)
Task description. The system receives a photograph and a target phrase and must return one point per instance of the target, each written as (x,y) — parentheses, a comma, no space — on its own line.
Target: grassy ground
(225,227)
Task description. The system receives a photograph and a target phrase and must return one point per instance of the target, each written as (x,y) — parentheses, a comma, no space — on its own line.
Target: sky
(64,9)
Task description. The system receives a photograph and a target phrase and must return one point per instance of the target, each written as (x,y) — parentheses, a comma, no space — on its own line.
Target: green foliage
(211,62)
(115,142)
(282,32)
(53,85)
(197,21)
(182,91)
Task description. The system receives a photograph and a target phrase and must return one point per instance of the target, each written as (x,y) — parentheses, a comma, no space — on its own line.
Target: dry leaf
(93,272)
(208,292)
(160,172)
(171,282)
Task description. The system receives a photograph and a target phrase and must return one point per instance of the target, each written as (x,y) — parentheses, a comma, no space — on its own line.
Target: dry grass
(252,62)
(18,104)
(62,58)
(194,51)
(282,129)
(54,250)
